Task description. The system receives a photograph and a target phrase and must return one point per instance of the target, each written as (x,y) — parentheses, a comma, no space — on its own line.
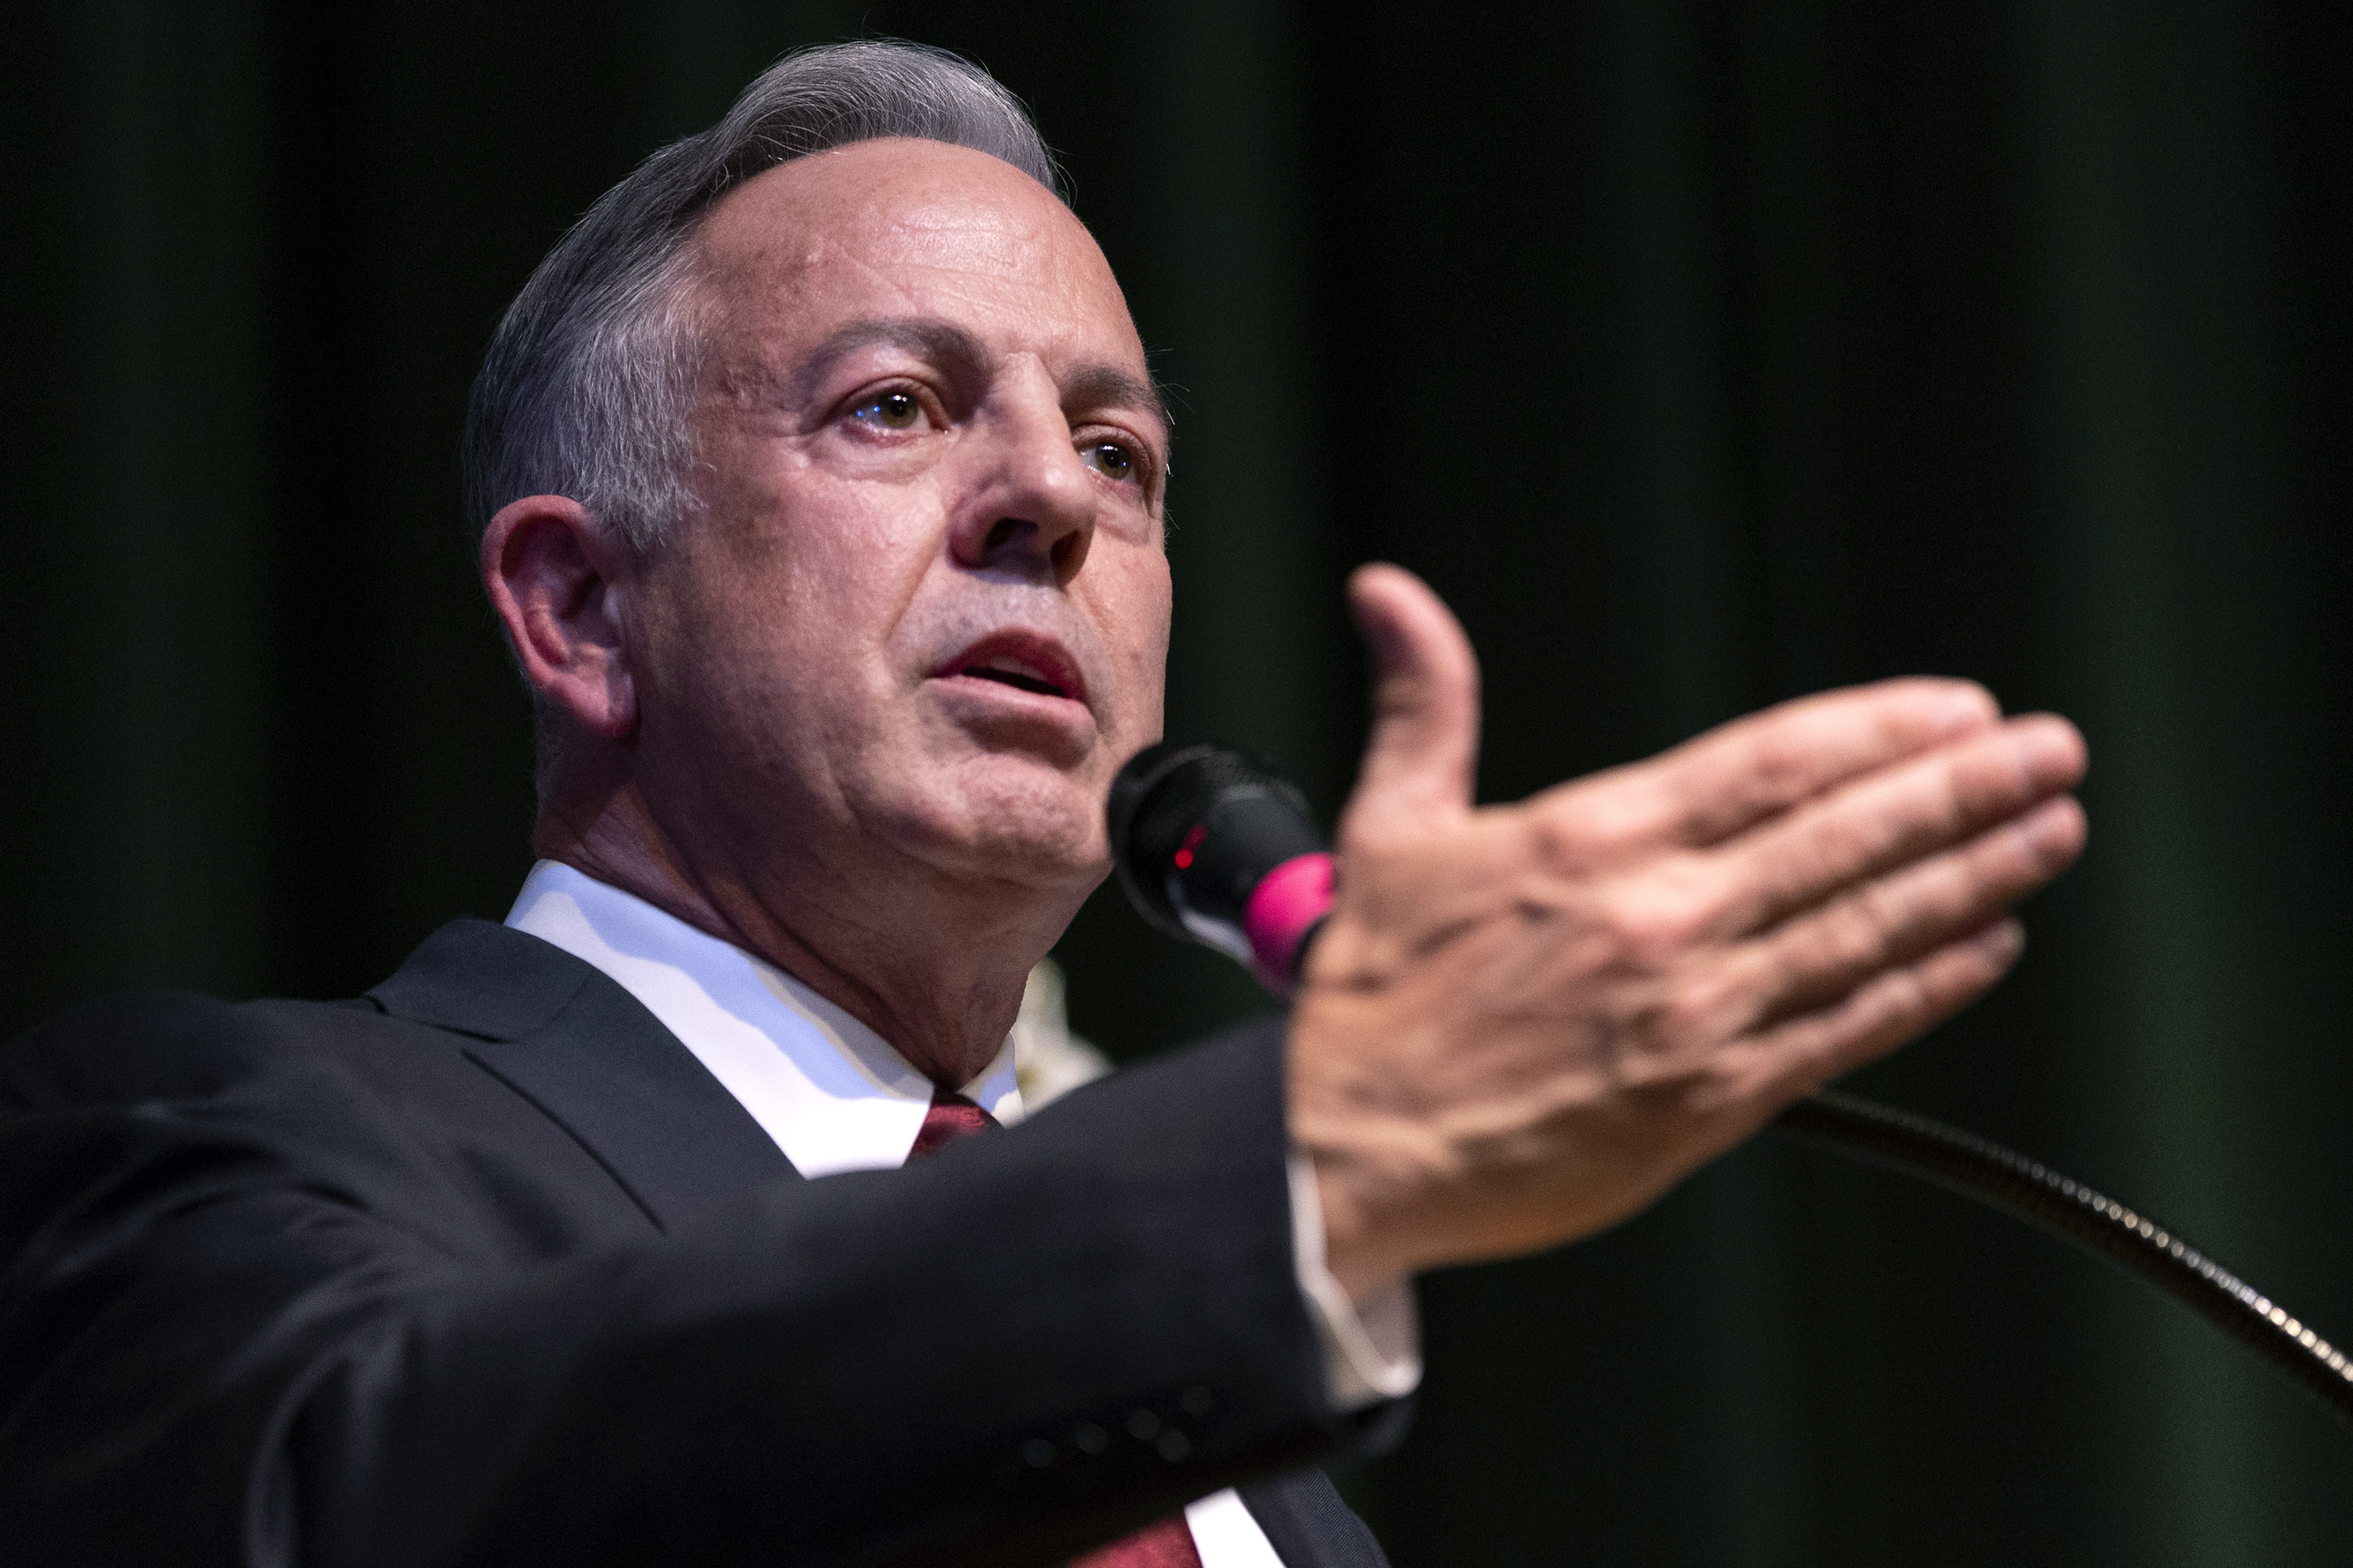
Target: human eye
(1114,460)
(894,410)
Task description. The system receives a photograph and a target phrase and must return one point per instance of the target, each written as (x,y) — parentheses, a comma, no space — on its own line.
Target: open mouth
(1018,679)
(1023,660)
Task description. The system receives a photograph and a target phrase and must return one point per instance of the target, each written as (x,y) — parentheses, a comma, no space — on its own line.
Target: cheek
(726,633)
(1147,616)
(862,558)
(816,571)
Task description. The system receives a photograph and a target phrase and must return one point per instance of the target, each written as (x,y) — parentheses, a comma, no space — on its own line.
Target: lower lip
(997,695)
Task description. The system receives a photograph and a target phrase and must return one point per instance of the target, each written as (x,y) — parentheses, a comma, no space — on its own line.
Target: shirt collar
(832,1093)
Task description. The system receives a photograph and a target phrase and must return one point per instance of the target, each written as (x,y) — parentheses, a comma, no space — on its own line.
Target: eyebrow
(1090,385)
(1108,386)
(933,339)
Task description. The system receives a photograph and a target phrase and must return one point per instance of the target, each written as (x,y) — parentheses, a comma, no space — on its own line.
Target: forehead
(912,228)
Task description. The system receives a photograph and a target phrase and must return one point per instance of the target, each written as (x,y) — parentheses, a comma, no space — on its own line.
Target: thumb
(1425,738)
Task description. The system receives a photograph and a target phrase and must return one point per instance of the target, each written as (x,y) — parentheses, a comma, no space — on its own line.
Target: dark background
(1701,355)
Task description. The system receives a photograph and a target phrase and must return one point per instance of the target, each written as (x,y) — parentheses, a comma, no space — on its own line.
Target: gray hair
(589,384)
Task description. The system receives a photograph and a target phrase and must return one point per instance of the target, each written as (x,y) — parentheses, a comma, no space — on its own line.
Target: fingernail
(2009,940)
(1965,707)
(2051,749)
(2052,825)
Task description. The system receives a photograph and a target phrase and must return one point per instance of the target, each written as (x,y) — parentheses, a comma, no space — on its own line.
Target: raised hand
(1522,1022)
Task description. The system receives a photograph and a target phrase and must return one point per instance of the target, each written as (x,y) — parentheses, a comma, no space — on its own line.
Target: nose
(1031,513)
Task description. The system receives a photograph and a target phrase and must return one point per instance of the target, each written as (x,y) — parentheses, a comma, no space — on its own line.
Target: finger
(1709,788)
(1808,961)
(1425,740)
(1893,817)
(1799,1055)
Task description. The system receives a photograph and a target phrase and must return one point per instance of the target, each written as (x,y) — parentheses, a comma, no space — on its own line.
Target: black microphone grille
(1213,847)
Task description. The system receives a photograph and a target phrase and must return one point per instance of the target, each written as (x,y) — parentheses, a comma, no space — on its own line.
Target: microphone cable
(1212,849)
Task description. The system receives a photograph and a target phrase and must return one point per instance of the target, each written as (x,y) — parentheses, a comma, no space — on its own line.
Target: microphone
(1214,848)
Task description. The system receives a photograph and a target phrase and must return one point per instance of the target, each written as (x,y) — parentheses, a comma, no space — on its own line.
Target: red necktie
(1168,1543)
(951,1117)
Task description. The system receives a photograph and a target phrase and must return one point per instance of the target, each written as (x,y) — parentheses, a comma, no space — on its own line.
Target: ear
(551,578)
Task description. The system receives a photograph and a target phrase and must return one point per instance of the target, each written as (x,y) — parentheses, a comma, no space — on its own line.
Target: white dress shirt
(835,1096)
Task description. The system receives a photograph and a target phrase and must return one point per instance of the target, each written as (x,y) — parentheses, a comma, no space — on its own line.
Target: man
(820,479)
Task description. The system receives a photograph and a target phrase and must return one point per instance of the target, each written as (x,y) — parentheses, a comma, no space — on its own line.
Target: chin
(1015,819)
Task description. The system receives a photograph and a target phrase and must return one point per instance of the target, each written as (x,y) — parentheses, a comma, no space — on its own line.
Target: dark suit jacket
(484,1268)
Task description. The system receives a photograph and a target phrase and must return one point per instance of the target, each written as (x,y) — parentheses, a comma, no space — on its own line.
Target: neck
(934,965)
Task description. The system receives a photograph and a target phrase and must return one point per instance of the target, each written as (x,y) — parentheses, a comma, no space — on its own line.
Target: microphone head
(1212,848)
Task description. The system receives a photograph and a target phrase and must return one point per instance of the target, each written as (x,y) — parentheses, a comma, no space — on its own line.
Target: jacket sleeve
(219,1344)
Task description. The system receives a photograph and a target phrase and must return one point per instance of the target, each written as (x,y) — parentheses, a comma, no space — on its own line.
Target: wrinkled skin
(861,715)
(1525,1022)
(928,444)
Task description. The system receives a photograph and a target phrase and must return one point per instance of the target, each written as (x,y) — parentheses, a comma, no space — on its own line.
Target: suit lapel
(1309,1526)
(566,1038)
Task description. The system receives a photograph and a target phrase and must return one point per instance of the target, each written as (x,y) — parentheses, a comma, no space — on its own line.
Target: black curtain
(1700,355)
